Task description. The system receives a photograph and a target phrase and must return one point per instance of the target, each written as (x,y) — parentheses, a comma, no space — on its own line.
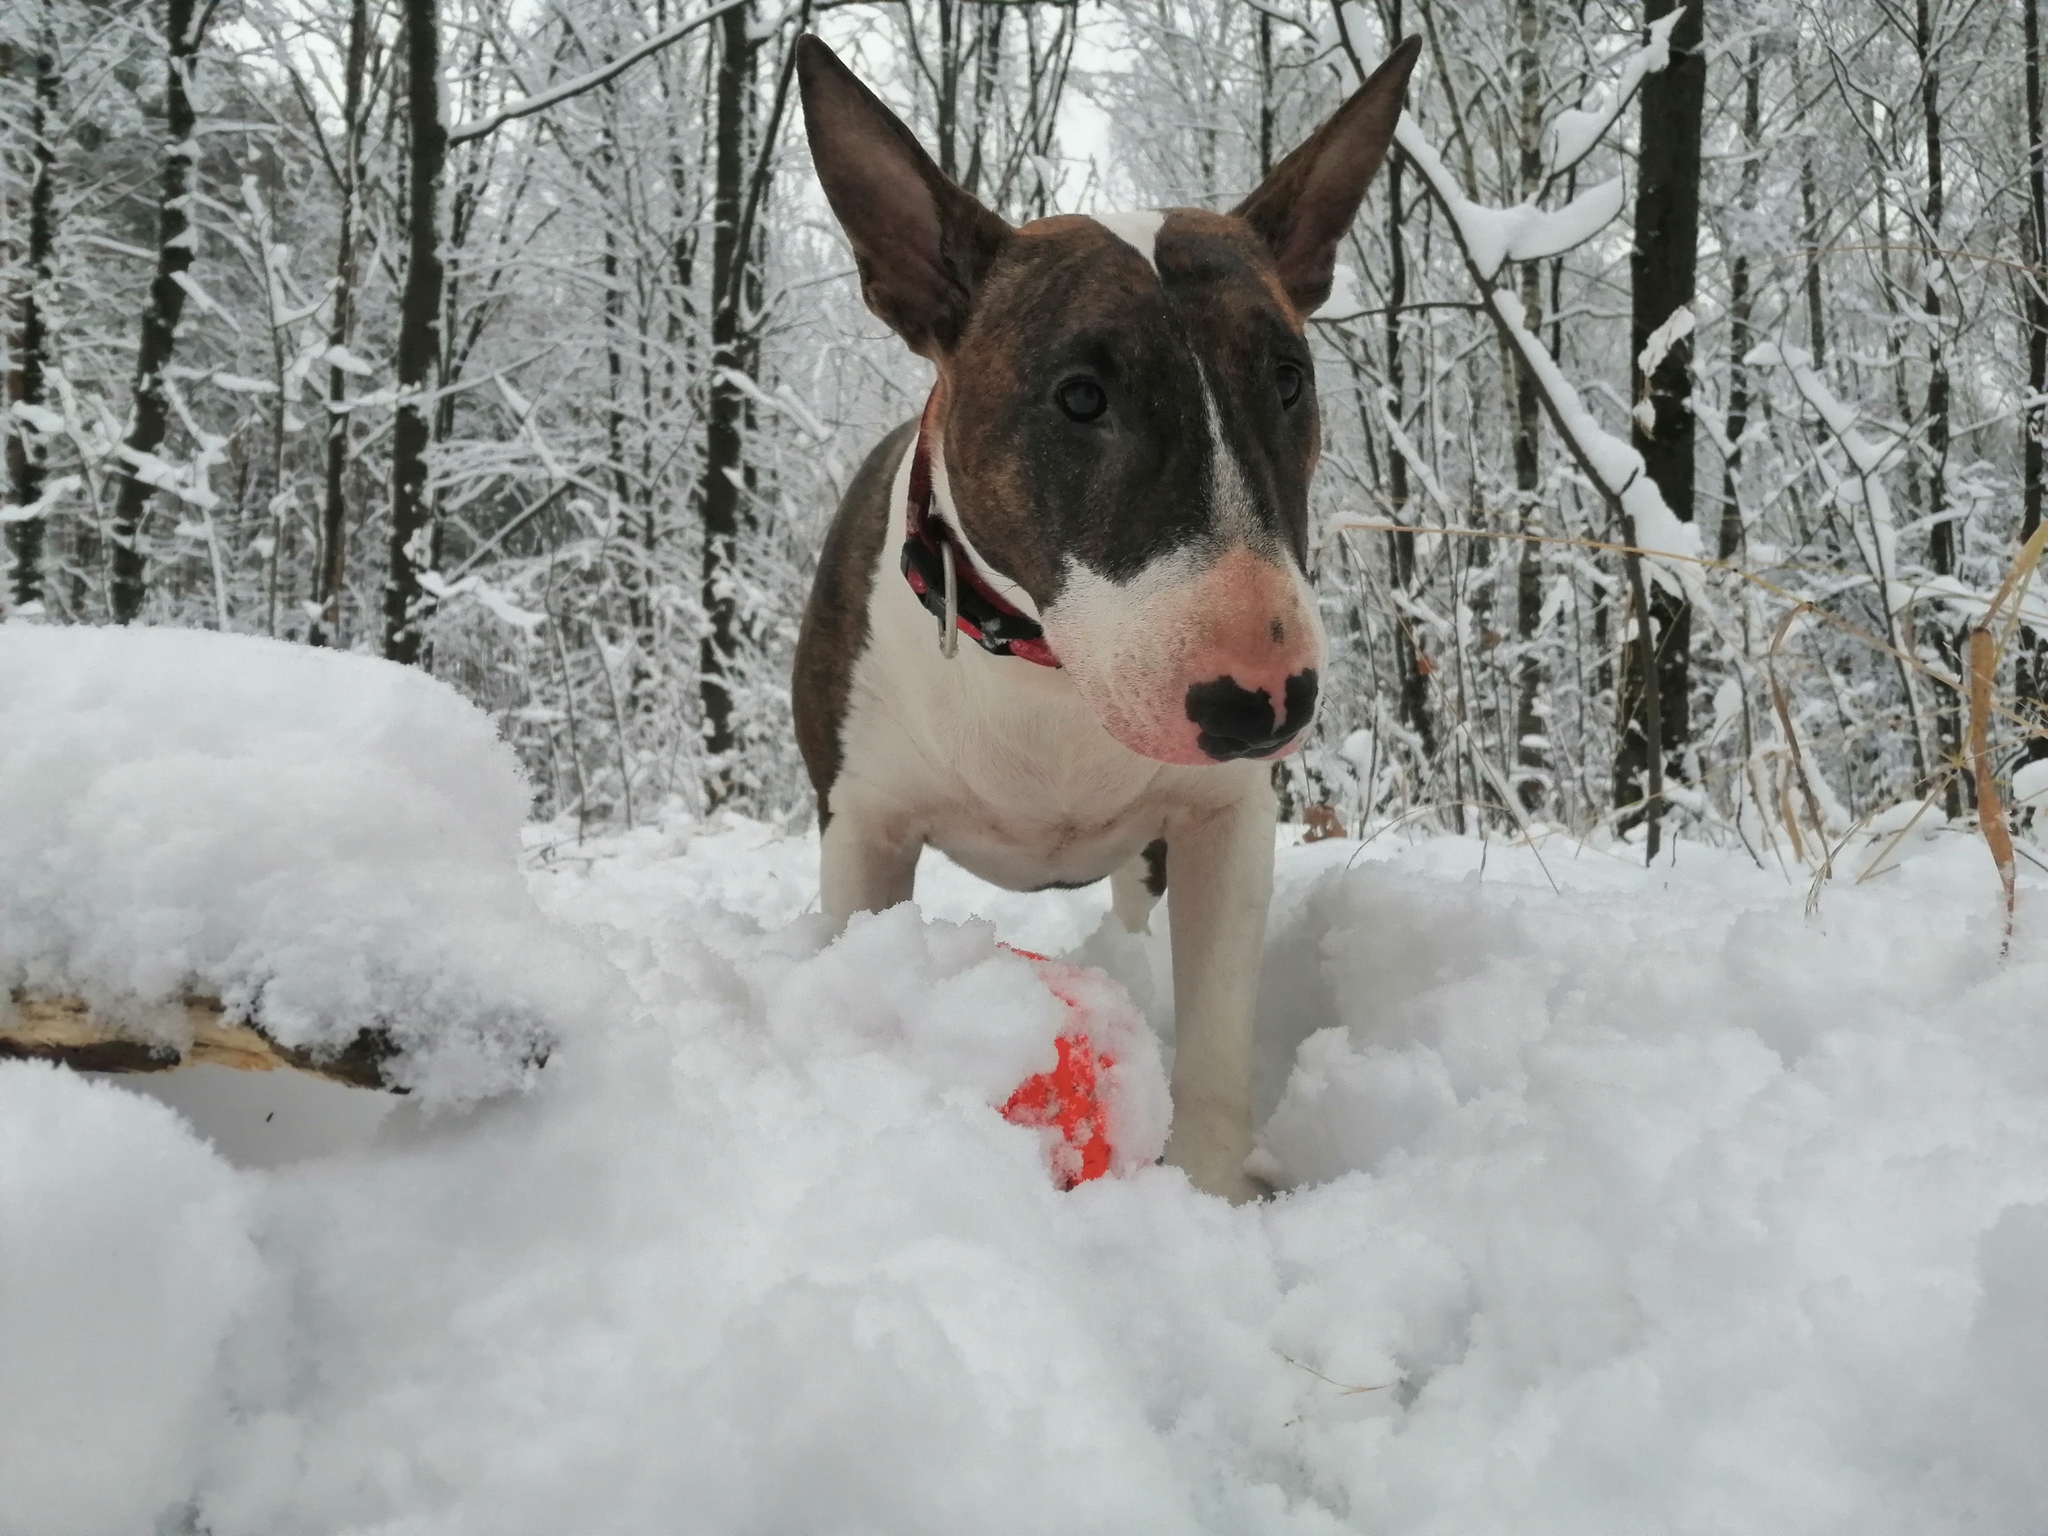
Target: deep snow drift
(1652,1202)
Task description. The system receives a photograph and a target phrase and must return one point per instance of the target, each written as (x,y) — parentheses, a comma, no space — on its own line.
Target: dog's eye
(1289,378)
(1082,399)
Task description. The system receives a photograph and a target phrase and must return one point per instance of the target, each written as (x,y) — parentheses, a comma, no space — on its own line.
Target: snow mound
(977,1018)
(125,1256)
(766,1259)
(1649,1202)
(327,843)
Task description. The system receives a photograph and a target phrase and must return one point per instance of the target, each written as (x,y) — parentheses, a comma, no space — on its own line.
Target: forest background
(1702,348)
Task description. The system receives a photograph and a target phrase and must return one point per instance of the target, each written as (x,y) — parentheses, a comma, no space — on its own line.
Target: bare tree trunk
(1740,308)
(947,113)
(2032,666)
(988,67)
(29,352)
(1531,767)
(719,496)
(1809,240)
(332,574)
(1941,536)
(151,412)
(1266,93)
(1411,661)
(1889,290)
(1663,269)
(413,533)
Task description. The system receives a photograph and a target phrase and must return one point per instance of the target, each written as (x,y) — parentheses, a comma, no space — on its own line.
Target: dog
(1062,624)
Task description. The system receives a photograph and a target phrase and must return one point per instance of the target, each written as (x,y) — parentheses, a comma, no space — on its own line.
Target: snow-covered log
(68,1031)
(323,847)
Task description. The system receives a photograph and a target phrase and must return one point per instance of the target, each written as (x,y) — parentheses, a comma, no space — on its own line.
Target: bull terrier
(1106,496)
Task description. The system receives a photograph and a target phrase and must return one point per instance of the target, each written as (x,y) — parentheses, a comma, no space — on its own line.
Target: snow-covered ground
(1619,1201)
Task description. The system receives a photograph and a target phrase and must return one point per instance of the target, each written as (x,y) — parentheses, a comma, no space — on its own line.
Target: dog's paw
(1215,1171)
(1243,1189)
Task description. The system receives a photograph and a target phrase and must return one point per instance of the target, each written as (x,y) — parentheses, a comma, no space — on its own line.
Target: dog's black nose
(1235,721)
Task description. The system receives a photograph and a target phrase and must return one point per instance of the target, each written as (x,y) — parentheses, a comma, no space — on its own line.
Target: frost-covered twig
(1488,239)
(1879,548)
(1574,134)
(555,95)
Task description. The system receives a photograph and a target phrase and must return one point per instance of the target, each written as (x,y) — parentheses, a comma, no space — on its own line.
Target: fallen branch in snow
(65,1030)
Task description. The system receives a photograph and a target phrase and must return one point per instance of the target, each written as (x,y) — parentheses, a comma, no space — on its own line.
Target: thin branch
(462,133)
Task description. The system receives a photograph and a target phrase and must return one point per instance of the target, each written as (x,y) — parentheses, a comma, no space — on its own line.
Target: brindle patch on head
(1071,300)
(1194,453)
(1216,267)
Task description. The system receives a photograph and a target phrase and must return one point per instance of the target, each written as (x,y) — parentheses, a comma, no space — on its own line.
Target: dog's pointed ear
(1303,209)
(922,244)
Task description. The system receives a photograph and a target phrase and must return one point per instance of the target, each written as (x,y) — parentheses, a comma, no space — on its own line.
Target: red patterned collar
(932,553)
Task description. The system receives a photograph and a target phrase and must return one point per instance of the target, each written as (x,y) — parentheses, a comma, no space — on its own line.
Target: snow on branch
(1876,535)
(1575,133)
(1493,237)
(555,95)
(1879,544)
(1615,466)
(1490,238)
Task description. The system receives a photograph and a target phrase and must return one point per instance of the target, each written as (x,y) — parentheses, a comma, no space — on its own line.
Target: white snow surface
(327,843)
(126,1254)
(1647,1201)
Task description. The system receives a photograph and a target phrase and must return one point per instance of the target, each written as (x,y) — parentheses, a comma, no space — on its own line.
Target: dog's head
(1127,408)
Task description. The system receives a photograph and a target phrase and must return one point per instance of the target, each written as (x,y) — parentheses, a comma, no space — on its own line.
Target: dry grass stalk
(1877,866)
(1782,705)
(1322,822)
(2022,571)
(1983,665)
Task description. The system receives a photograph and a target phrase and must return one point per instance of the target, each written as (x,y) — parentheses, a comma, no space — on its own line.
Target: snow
(125,1256)
(47,422)
(55,490)
(340,357)
(1656,347)
(1618,1199)
(326,843)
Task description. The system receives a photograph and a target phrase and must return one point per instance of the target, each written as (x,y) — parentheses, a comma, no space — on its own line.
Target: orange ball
(1064,1100)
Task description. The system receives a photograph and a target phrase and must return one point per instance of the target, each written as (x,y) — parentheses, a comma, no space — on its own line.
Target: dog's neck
(950,578)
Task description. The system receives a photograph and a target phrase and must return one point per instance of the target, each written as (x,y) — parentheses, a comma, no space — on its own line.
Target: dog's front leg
(1219,880)
(862,868)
